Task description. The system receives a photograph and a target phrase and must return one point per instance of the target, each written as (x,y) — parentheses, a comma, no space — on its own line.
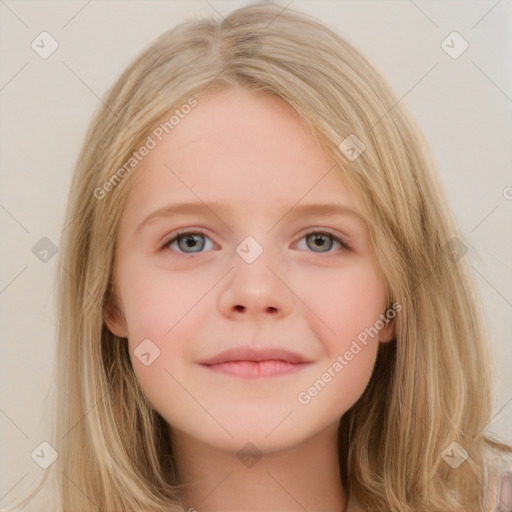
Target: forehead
(242,148)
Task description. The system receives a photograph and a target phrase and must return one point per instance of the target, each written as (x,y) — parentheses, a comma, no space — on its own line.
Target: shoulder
(500,481)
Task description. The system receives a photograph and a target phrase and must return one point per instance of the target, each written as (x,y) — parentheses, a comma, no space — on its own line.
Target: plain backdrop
(464,106)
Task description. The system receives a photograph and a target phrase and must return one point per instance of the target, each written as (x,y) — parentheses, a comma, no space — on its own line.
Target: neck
(303,477)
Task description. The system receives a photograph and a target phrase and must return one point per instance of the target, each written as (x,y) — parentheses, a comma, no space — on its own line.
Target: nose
(256,289)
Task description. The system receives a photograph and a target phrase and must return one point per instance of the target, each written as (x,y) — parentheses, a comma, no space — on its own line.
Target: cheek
(340,386)
(163,312)
(156,301)
(343,304)
(349,303)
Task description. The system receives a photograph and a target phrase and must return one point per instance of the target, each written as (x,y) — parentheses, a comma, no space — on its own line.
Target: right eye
(187,242)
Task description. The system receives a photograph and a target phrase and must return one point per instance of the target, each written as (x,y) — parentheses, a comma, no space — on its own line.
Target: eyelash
(182,232)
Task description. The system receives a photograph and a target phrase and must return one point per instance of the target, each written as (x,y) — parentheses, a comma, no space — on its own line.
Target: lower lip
(257,369)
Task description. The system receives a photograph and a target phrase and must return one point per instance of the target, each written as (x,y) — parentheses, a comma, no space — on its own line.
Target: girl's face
(262,272)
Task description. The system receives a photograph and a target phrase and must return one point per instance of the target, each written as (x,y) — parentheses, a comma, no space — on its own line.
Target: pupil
(322,241)
(186,242)
(190,241)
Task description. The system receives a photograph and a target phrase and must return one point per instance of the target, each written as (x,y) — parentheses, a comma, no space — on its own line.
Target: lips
(251,362)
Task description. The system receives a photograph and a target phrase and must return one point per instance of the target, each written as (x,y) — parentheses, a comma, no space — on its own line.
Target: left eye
(191,242)
(323,241)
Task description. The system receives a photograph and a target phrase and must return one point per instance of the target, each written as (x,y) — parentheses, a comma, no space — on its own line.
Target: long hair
(431,385)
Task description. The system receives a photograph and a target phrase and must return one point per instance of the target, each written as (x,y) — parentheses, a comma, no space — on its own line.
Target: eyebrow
(324,209)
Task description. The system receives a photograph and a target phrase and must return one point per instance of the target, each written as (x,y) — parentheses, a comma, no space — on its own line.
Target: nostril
(270,309)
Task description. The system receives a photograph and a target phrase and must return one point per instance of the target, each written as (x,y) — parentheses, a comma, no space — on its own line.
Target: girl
(264,300)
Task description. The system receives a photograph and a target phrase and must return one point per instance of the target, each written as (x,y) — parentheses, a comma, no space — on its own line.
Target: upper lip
(253,354)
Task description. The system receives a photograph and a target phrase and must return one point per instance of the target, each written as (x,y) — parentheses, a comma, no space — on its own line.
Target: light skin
(251,160)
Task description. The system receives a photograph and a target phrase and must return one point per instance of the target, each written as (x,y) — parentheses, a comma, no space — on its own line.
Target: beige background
(464,105)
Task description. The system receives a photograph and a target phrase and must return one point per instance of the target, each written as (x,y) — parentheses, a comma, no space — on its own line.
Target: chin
(261,431)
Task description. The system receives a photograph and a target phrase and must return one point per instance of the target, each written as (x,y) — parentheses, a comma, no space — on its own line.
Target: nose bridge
(256,285)
(253,262)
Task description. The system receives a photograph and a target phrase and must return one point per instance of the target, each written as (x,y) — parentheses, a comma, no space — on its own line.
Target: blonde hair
(431,386)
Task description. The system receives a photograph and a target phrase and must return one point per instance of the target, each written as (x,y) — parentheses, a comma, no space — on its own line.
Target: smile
(257,369)
(256,363)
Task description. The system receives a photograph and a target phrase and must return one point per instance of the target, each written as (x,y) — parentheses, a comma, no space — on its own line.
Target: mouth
(252,363)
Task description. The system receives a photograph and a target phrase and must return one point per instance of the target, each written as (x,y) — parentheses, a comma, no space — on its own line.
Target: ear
(387,333)
(114,319)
